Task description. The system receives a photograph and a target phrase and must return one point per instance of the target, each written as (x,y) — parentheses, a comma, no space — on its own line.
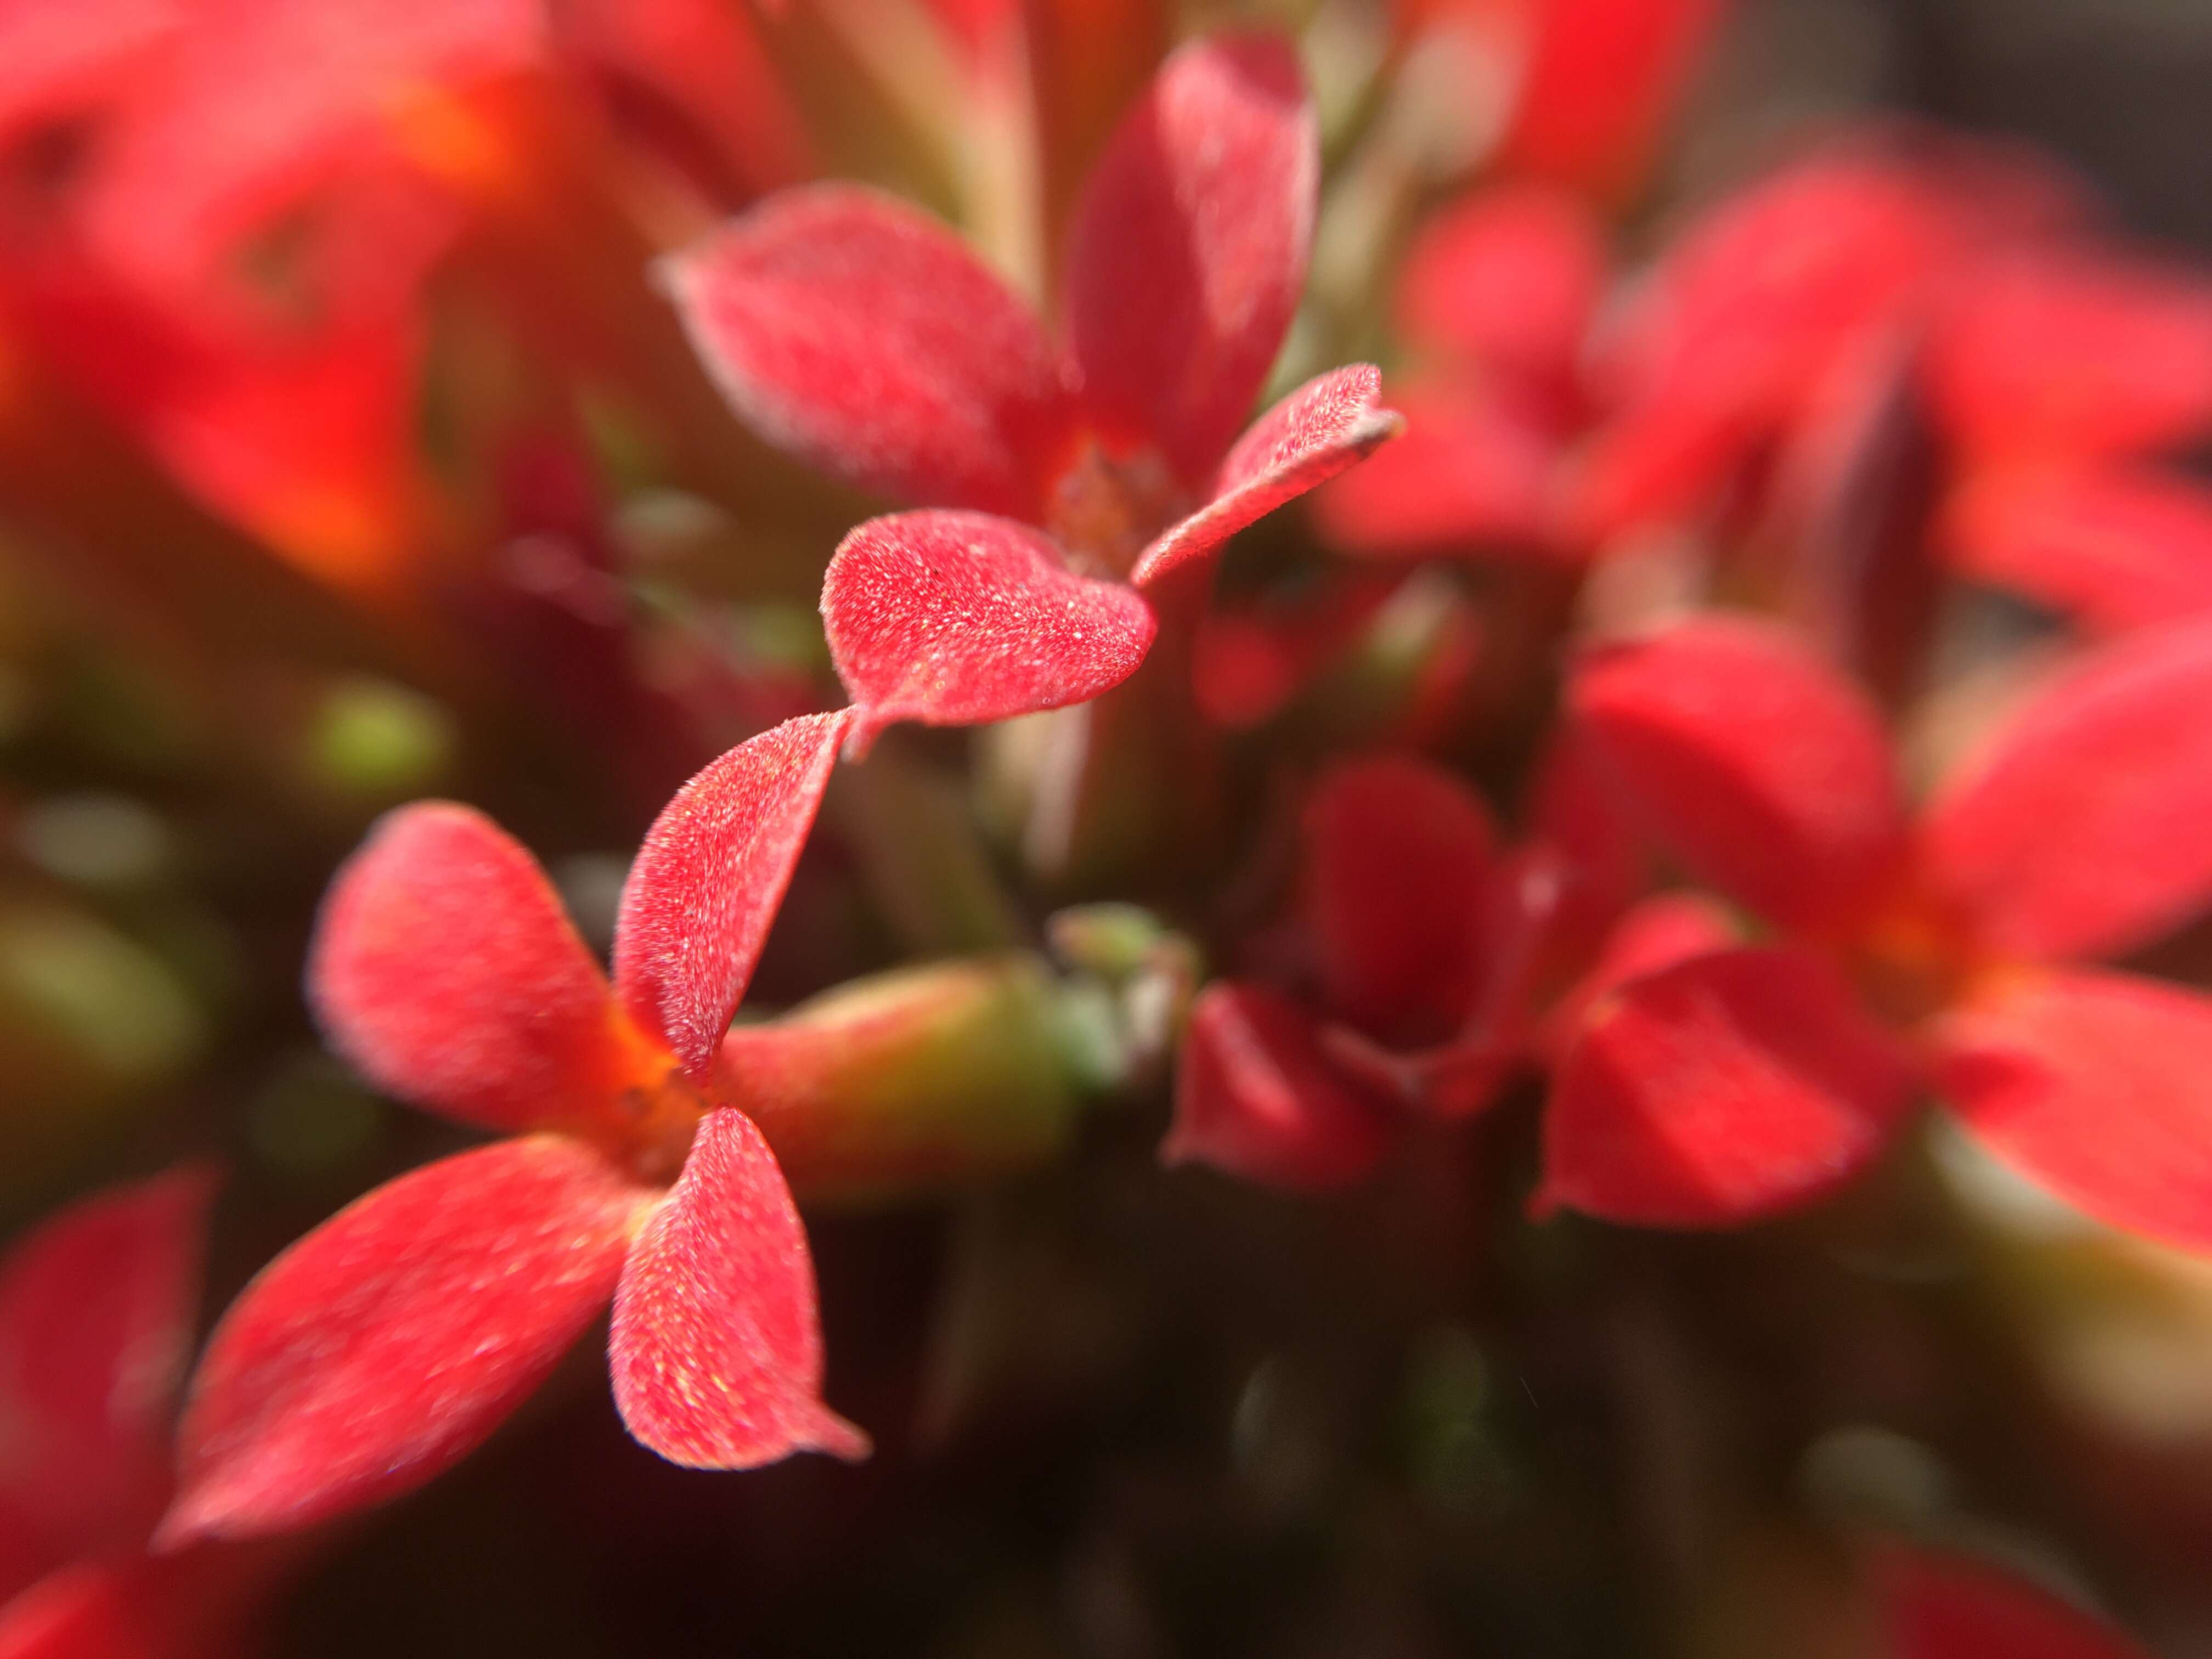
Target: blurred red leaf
(378,1350)
(1725,1089)
(2095,1085)
(1189,250)
(1948,1607)
(709,879)
(1659,931)
(1466,474)
(2079,830)
(1508,278)
(445,970)
(716,1348)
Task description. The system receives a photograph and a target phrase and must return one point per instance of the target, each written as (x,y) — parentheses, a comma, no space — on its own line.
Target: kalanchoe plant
(390,1341)
(1942,951)
(1063,481)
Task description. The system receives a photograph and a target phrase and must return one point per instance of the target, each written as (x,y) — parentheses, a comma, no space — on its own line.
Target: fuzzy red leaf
(862,334)
(388,1343)
(708,881)
(1659,931)
(2080,829)
(2067,354)
(959,618)
(1468,474)
(1398,859)
(1509,278)
(1189,250)
(1256,1097)
(444,969)
(2094,1085)
(1947,1607)
(2112,549)
(1327,425)
(1749,758)
(1727,1088)
(96,1313)
(717,1345)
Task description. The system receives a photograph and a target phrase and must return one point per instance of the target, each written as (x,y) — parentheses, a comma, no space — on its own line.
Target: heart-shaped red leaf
(862,334)
(444,968)
(1733,1086)
(1189,250)
(716,1348)
(385,1345)
(707,884)
(1326,426)
(960,618)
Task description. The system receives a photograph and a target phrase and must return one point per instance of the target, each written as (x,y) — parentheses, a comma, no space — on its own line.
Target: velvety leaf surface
(1325,427)
(388,1343)
(2112,549)
(707,884)
(1256,1097)
(1948,1606)
(960,618)
(716,1347)
(444,968)
(1466,475)
(862,334)
(1399,859)
(1508,278)
(2095,1085)
(1730,1087)
(96,1313)
(2079,830)
(1749,758)
(1189,249)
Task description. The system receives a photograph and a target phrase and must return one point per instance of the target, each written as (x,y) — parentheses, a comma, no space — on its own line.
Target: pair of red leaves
(1716,1083)
(1061,481)
(390,1341)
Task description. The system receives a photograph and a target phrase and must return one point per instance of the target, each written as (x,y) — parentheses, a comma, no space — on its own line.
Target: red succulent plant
(1063,482)
(1714,1083)
(394,1338)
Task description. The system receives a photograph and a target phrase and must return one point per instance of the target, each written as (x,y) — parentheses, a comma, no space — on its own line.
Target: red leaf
(1467,475)
(1398,859)
(2068,355)
(717,1346)
(1660,932)
(96,1313)
(1189,249)
(861,334)
(388,1343)
(199,1603)
(2080,829)
(1947,1607)
(1725,1089)
(443,968)
(1508,277)
(707,884)
(1256,1098)
(2111,549)
(1327,425)
(2093,1085)
(1749,758)
(959,618)
(58,61)
(1576,822)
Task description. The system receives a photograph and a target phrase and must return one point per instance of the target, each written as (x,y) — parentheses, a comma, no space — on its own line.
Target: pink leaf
(707,884)
(385,1345)
(1725,1089)
(1256,1097)
(861,334)
(1747,757)
(717,1346)
(2093,1085)
(1948,1606)
(1327,425)
(443,968)
(1398,859)
(2112,549)
(959,618)
(2079,830)
(96,1313)
(1189,250)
